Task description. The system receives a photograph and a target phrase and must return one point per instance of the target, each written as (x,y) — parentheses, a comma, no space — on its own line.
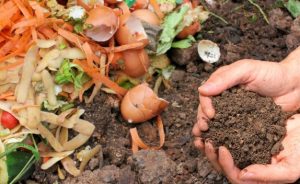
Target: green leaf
(49,107)
(183,44)
(15,164)
(71,73)
(130,3)
(293,7)
(170,29)
(126,84)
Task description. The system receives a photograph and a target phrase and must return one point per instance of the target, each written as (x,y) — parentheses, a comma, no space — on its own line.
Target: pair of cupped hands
(281,81)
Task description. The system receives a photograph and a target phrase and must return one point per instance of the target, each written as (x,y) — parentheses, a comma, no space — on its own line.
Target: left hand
(284,167)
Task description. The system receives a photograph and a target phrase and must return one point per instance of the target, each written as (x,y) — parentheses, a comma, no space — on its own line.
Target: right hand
(277,80)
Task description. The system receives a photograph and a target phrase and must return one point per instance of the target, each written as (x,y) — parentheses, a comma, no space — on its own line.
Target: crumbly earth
(246,36)
(249,125)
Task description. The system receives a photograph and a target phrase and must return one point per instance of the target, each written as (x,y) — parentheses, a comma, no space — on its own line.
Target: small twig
(218,17)
(260,9)
(213,14)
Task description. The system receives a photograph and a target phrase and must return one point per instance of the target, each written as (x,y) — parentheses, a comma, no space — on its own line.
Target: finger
(196,130)
(198,142)
(212,155)
(206,106)
(227,165)
(236,73)
(278,173)
(202,120)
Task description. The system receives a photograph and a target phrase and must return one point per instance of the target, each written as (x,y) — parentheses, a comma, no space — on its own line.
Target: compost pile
(249,125)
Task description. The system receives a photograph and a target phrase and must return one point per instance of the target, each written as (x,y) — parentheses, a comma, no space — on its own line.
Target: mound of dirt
(249,125)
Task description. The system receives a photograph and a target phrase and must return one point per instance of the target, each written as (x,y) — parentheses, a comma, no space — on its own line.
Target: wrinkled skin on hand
(277,80)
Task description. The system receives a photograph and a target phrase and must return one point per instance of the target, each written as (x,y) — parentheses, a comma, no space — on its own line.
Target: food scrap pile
(52,52)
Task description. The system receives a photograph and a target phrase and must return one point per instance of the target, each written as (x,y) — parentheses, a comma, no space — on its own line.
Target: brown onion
(189,30)
(104,23)
(141,104)
(147,16)
(131,30)
(136,62)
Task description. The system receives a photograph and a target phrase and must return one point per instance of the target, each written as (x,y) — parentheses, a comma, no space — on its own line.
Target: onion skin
(136,62)
(104,21)
(189,30)
(131,30)
(147,16)
(141,104)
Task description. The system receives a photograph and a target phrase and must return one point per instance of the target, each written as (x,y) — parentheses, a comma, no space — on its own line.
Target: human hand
(277,80)
(284,167)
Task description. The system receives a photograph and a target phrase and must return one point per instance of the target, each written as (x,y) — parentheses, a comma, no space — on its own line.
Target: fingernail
(245,175)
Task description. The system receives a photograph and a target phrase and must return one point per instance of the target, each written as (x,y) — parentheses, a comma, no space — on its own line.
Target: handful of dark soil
(249,125)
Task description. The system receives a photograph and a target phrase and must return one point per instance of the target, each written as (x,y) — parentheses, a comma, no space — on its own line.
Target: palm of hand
(284,168)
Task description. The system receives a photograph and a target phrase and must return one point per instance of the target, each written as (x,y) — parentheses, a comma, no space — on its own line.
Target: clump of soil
(249,125)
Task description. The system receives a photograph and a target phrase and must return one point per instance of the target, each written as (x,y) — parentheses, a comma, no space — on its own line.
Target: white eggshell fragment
(209,51)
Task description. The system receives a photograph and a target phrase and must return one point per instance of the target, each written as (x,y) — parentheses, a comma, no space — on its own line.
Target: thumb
(268,173)
(227,77)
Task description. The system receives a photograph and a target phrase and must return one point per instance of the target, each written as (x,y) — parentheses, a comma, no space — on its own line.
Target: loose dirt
(249,125)
(246,36)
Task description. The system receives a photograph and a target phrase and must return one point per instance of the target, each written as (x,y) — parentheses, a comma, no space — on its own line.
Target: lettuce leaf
(183,44)
(170,29)
(71,73)
(293,7)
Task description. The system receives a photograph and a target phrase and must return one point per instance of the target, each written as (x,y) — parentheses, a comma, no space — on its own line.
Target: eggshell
(136,62)
(209,51)
(104,23)
(147,16)
(141,104)
(131,30)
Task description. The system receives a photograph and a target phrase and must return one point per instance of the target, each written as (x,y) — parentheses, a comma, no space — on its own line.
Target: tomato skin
(8,120)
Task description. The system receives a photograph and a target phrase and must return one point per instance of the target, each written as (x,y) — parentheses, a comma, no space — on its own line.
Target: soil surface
(249,125)
(246,35)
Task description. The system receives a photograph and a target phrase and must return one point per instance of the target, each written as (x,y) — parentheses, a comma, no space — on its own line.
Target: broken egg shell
(104,23)
(131,30)
(189,30)
(136,62)
(147,16)
(140,4)
(141,104)
(209,51)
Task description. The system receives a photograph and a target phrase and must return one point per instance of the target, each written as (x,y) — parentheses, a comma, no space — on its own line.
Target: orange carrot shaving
(68,27)
(6,95)
(48,32)
(71,37)
(97,77)
(138,143)
(25,23)
(130,46)
(156,9)
(23,9)
(110,54)
(89,54)
(34,34)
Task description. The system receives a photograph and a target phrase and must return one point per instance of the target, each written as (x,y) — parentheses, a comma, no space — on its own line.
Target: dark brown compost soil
(246,35)
(249,125)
